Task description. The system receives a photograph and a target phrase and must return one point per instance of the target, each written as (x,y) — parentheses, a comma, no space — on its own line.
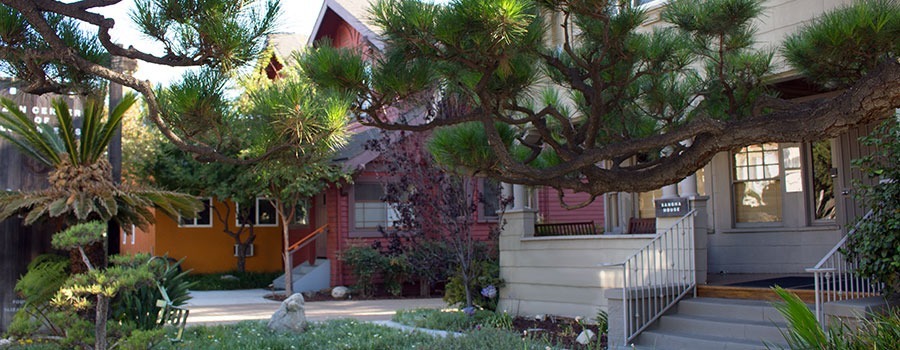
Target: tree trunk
(288,269)
(100,325)
(424,288)
(241,255)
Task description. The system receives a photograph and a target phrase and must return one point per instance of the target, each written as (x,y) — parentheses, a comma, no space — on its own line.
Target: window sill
(364,234)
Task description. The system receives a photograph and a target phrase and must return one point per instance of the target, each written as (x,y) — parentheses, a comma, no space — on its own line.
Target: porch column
(519,196)
(506,191)
(701,223)
(688,186)
(669,191)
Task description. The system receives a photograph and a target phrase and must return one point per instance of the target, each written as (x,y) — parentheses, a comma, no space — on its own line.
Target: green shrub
(876,240)
(804,332)
(139,306)
(396,271)
(242,280)
(365,264)
(488,274)
(430,261)
(45,275)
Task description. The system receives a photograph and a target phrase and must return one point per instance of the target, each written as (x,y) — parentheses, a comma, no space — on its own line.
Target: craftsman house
(344,213)
(761,215)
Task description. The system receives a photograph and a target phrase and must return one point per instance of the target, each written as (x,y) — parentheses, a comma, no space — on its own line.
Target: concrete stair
(308,277)
(713,323)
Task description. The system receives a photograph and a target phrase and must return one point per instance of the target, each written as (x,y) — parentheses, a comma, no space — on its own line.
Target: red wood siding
(552,211)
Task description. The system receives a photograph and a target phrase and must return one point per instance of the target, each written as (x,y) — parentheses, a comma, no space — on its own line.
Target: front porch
(645,276)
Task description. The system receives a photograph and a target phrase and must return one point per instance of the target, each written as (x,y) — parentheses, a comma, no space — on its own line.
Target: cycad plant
(81,184)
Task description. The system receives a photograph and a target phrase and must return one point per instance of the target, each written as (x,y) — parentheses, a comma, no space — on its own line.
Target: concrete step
(737,309)
(661,340)
(308,277)
(754,331)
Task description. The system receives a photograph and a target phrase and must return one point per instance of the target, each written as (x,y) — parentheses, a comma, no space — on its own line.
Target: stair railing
(836,278)
(658,275)
(303,242)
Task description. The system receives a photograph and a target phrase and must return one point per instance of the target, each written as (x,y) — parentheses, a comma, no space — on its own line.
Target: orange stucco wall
(141,241)
(209,249)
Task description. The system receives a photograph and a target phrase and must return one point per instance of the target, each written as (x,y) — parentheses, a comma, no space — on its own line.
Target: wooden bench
(638,225)
(565,229)
(169,314)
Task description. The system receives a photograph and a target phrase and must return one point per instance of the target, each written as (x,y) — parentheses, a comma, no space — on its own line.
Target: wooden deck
(731,292)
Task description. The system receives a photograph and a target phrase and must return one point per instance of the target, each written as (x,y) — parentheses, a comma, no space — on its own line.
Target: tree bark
(100,325)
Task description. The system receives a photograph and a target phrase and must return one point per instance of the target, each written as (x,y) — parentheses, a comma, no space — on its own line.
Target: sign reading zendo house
(19,244)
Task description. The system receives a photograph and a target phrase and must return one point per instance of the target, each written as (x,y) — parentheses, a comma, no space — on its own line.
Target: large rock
(290,316)
(340,292)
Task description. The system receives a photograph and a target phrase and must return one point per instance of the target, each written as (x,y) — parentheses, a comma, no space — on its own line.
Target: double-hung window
(262,214)
(369,210)
(203,219)
(757,184)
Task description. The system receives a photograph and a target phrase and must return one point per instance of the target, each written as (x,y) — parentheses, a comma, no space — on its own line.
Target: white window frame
(195,224)
(237,209)
(780,177)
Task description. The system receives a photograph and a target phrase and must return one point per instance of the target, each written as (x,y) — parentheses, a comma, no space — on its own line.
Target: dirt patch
(561,331)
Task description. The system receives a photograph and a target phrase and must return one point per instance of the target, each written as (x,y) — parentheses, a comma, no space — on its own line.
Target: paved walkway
(220,307)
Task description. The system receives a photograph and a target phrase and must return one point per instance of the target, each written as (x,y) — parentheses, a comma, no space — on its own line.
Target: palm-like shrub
(81,183)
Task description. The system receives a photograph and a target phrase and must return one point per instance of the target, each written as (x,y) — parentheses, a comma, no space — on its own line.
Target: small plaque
(672,207)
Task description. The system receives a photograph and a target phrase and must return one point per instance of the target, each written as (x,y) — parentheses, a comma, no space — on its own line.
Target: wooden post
(127,66)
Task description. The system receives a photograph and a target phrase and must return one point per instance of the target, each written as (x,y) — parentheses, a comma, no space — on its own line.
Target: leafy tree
(174,169)
(290,110)
(433,204)
(43,44)
(97,282)
(571,112)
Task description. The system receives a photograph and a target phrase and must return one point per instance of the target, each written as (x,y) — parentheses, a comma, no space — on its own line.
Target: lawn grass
(453,321)
(335,334)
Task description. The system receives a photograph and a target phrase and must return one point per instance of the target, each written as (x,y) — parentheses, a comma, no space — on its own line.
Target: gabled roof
(355,13)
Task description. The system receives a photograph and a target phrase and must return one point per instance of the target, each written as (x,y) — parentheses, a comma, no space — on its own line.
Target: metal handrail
(836,279)
(309,238)
(293,248)
(658,275)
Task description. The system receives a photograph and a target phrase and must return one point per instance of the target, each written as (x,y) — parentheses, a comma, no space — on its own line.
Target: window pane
(758,201)
(204,218)
(246,214)
(490,197)
(791,157)
(186,222)
(265,213)
(370,214)
(793,180)
(368,192)
(822,182)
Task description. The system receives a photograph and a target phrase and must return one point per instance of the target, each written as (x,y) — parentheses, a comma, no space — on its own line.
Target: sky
(298,16)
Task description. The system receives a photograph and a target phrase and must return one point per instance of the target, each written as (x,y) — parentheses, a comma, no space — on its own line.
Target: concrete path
(220,307)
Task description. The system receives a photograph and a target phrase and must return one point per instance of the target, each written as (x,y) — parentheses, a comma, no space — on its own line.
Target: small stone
(340,292)
(5,342)
(585,337)
(229,278)
(540,317)
(290,316)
